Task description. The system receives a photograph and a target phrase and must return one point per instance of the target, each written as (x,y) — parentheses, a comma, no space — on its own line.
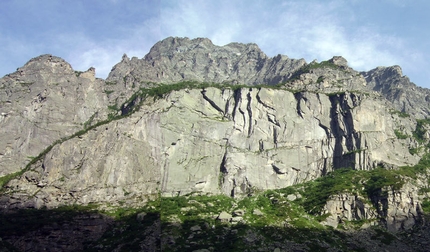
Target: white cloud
(295,28)
(300,29)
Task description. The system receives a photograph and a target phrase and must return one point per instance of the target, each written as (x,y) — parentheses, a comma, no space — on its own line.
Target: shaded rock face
(42,102)
(214,141)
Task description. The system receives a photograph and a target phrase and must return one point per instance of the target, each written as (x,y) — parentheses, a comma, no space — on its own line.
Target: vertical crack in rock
(165,176)
(299,96)
(248,107)
(212,103)
(275,137)
(223,170)
(335,129)
(261,145)
(237,94)
(340,114)
(272,118)
(232,190)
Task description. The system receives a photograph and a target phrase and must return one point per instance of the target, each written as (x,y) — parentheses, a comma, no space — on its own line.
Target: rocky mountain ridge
(195,118)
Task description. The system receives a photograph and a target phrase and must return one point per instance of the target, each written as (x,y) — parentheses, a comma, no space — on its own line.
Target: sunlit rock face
(289,122)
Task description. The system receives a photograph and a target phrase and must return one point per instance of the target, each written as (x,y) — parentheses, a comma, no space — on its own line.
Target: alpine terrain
(198,147)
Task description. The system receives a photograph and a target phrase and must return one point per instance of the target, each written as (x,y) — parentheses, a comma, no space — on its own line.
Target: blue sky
(97,33)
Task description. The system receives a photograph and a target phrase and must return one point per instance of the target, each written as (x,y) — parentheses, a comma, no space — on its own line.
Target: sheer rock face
(214,141)
(178,59)
(193,140)
(42,102)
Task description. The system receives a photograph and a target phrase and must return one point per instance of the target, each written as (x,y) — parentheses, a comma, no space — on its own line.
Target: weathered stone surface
(178,59)
(217,141)
(42,102)
(400,209)
(347,207)
(224,217)
(399,90)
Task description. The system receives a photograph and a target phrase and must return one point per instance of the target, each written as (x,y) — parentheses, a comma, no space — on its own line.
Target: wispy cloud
(295,28)
(312,29)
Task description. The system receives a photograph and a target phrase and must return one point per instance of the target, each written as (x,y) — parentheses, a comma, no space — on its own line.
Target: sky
(96,33)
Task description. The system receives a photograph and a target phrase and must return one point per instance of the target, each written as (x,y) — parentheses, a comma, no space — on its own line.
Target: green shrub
(420,130)
(380,178)
(316,193)
(426,206)
(400,135)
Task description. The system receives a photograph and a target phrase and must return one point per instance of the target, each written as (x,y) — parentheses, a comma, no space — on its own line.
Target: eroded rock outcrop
(396,209)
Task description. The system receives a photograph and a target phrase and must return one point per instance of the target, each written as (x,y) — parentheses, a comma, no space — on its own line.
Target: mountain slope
(195,118)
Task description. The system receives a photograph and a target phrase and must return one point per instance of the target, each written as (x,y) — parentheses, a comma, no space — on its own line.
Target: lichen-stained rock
(215,141)
(43,101)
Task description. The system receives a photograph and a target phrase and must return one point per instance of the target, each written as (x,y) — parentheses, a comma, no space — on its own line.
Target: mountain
(215,141)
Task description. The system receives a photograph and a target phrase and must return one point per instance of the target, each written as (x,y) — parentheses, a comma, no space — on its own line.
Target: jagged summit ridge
(177,59)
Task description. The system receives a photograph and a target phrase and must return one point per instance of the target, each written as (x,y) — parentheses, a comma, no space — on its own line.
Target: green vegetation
(5,179)
(26,84)
(383,236)
(415,151)
(400,113)
(400,135)
(269,214)
(322,64)
(426,205)
(314,65)
(421,130)
(110,83)
(89,121)
(125,229)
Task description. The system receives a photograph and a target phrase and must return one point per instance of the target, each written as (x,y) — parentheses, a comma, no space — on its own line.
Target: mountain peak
(47,63)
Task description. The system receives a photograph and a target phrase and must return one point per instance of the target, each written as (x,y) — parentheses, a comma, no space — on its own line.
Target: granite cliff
(193,118)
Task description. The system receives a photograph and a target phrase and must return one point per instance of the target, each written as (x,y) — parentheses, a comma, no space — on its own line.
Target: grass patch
(426,206)
(5,179)
(400,135)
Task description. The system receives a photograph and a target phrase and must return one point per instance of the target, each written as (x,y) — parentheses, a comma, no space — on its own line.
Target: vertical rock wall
(216,141)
